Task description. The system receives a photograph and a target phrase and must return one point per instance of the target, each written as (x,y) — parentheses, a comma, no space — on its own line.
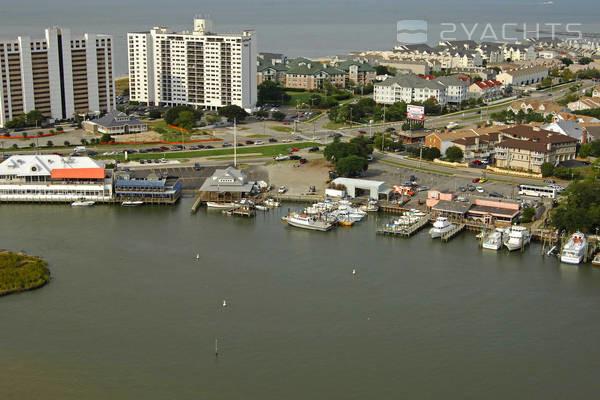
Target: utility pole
(234,141)
(370,128)
(420,155)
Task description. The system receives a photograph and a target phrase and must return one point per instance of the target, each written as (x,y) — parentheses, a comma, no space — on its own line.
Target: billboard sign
(415,112)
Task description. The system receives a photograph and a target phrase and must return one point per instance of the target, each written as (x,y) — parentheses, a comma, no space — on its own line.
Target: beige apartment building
(57,74)
(526,148)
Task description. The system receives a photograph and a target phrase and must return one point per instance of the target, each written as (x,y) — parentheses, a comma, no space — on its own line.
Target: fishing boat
(596,260)
(574,250)
(440,226)
(517,238)
(306,222)
(371,206)
(346,221)
(220,205)
(83,203)
(132,203)
(261,207)
(271,203)
(494,240)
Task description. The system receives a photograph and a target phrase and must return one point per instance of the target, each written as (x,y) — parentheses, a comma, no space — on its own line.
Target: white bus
(537,191)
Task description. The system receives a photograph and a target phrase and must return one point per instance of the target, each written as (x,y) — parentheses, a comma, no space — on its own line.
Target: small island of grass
(20,272)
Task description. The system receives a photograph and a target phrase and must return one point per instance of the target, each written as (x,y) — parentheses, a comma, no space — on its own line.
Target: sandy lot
(297,178)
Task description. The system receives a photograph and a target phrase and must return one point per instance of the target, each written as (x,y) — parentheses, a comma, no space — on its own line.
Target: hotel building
(57,74)
(199,68)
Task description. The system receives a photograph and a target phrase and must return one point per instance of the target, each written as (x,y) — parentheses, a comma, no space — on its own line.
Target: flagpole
(235,142)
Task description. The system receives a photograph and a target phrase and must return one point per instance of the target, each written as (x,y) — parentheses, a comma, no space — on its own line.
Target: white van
(79,149)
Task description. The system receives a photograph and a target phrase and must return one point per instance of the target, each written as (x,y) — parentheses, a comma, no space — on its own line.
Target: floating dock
(403,231)
(449,235)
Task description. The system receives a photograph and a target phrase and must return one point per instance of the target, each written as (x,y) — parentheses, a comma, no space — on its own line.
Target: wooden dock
(449,235)
(196,204)
(298,198)
(403,231)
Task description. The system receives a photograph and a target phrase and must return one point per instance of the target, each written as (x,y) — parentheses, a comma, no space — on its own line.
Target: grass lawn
(266,151)
(336,125)
(298,97)
(285,129)
(121,84)
(170,134)
(257,136)
(434,171)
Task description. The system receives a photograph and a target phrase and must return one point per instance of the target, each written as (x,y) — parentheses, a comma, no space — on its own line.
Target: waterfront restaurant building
(228,184)
(151,189)
(53,178)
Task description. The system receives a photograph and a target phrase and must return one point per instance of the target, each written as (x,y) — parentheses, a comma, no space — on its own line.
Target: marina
(403,303)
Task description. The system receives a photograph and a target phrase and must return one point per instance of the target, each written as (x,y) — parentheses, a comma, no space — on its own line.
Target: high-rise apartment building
(198,68)
(58,74)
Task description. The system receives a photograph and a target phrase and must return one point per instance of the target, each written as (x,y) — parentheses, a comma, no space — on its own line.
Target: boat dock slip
(404,231)
(196,204)
(299,198)
(449,235)
(392,208)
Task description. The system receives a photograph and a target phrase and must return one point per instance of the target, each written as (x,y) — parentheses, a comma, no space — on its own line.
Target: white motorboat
(440,226)
(306,222)
(494,240)
(574,250)
(221,205)
(371,206)
(518,237)
(261,207)
(132,203)
(83,203)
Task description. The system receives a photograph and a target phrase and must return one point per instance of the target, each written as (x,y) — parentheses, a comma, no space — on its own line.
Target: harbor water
(131,312)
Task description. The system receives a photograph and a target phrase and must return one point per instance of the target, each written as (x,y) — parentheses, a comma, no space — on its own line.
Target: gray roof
(227,180)
(411,81)
(117,118)
(451,207)
(570,128)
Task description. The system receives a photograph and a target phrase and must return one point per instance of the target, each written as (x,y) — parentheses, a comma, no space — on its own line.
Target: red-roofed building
(488,89)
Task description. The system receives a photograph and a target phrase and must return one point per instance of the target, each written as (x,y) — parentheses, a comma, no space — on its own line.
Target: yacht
(574,250)
(306,222)
(440,226)
(517,238)
(220,205)
(494,240)
(83,203)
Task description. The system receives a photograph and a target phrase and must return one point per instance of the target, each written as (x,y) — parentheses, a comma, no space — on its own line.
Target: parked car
(208,146)
(295,157)
(303,161)
(390,129)
(259,142)
(549,181)
(164,148)
(412,178)
(362,131)
(282,189)
(293,150)
(272,140)
(470,187)
(226,144)
(475,180)
(313,149)
(462,189)
(249,142)
(476,162)
(479,189)
(496,194)
(483,180)
(197,166)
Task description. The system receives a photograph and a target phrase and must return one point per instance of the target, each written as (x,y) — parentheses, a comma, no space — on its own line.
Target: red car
(294,149)
(286,123)
(476,180)
(476,162)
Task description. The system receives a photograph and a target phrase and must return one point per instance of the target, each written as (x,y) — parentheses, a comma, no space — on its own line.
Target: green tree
(270,91)
(185,120)
(581,208)
(106,138)
(49,143)
(351,166)
(155,114)
(278,115)
(67,143)
(454,154)
(547,169)
(232,112)
(566,61)
(262,114)
(34,118)
(585,60)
